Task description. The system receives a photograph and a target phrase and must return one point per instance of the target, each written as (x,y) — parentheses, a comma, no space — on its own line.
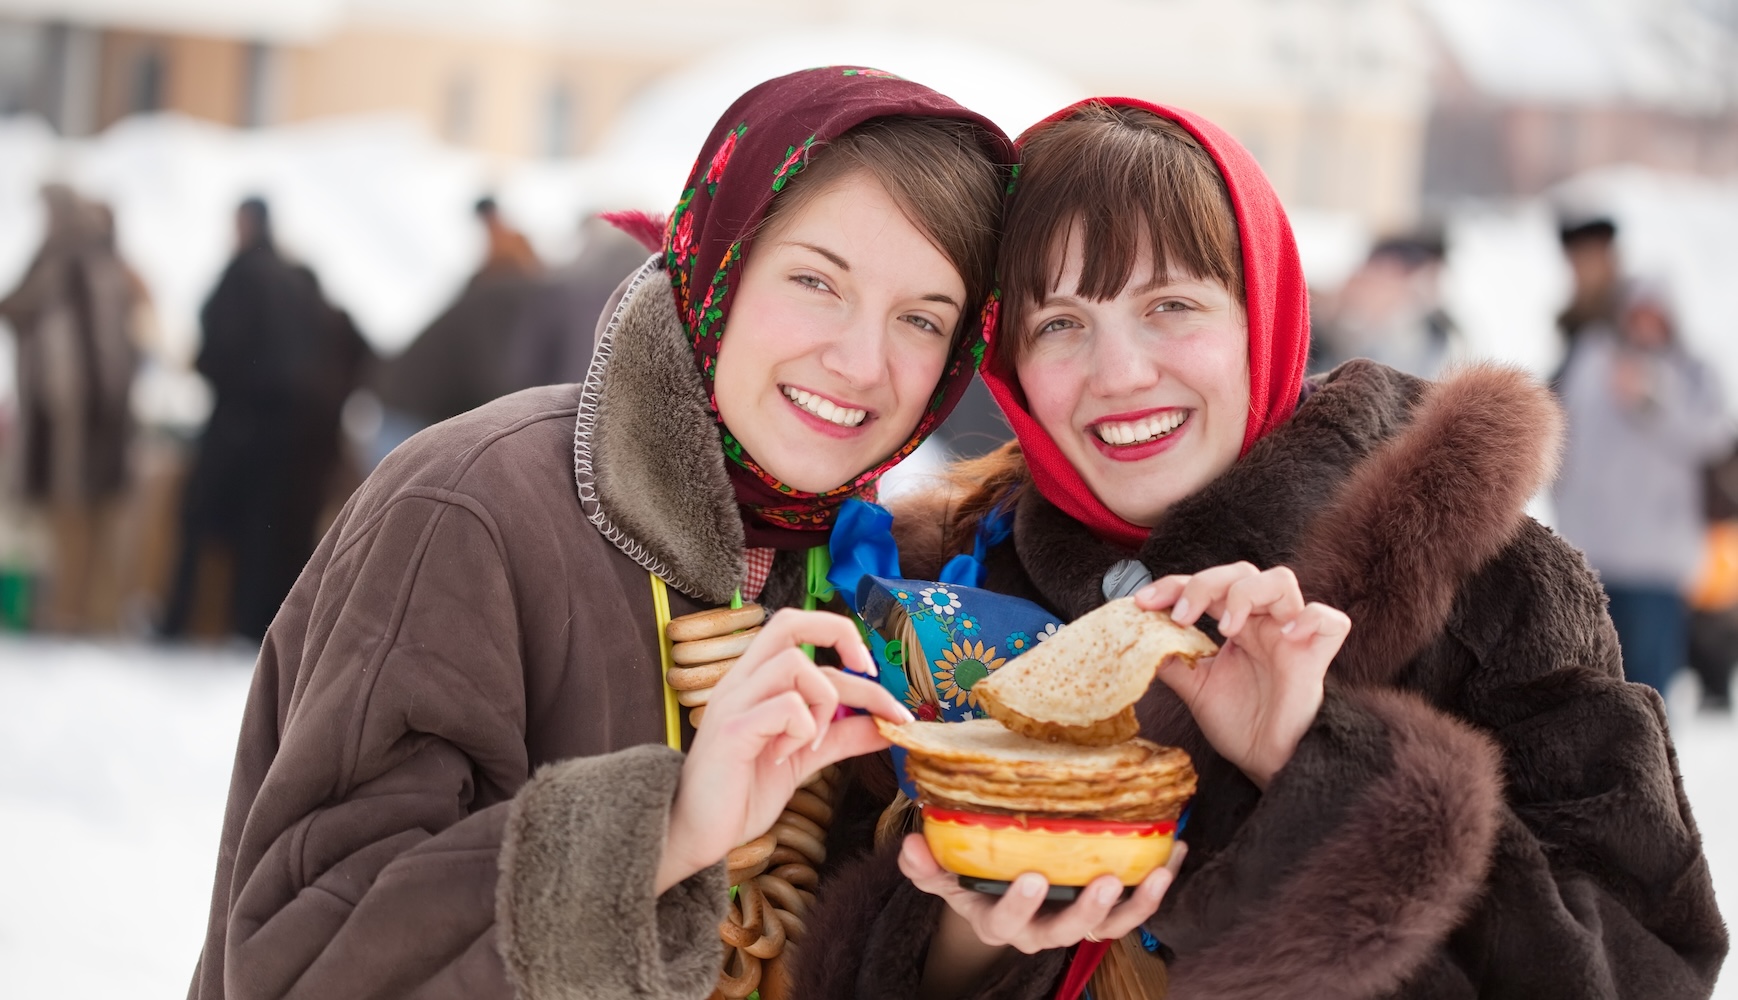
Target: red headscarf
(758,145)
(1277,304)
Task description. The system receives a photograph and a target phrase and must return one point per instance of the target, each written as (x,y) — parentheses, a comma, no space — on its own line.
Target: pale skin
(1164,349)
(846,300)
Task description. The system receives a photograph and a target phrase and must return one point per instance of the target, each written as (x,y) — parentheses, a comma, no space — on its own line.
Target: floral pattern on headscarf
(763,141)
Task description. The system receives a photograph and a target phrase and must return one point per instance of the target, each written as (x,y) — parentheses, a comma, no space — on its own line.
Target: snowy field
(117,760)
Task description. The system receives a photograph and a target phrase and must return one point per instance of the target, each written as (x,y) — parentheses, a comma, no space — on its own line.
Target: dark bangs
(1132,181)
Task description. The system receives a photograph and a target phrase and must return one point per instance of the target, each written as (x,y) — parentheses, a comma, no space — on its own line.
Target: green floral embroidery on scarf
(987,321)
(1013,176)
(879,74)
(796,157)
(732,447)
(721,159)
(711,310)
(679,250)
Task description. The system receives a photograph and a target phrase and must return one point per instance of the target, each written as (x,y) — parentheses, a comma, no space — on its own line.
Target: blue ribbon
(993,530)
(862,545)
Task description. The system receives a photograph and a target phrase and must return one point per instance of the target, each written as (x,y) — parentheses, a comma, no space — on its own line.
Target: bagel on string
(775,874)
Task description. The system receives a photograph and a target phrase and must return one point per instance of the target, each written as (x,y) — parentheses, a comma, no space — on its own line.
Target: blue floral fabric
(963,634)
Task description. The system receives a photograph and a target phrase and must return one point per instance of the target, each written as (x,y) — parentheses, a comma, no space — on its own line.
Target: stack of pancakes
(982,766)
(1060,741)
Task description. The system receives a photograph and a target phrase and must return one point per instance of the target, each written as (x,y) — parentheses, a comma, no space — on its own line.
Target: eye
(812,281)
(922,323)
(1054,325)
(1171,305)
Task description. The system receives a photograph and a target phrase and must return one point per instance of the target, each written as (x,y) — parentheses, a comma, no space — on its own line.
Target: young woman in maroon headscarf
(1443,789)
(453,777)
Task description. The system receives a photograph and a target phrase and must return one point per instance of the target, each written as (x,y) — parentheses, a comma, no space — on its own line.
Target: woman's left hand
(1255,700)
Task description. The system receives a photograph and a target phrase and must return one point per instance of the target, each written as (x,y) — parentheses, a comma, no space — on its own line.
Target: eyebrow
(837,261)
(843,265)
(1175,278)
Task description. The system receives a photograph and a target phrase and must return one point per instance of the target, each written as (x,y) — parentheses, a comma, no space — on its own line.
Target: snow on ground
(117,761)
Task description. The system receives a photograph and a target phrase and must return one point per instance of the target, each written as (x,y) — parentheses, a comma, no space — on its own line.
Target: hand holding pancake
(1254,700)
(1014,920)
(769,725)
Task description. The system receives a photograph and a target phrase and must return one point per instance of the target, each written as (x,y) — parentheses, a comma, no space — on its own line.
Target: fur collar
(1384,493)
(646,455)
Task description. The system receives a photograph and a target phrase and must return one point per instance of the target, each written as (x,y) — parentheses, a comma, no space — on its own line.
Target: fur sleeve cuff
(575,904)
(1362,857)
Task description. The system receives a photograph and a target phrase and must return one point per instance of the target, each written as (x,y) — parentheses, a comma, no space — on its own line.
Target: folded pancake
(1080,686)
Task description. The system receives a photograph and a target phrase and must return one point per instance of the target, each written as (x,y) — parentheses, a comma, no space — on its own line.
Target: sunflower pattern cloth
(933,642)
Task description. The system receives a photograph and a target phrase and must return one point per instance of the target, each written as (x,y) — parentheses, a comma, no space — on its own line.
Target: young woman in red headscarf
(1421,771)
(460,770)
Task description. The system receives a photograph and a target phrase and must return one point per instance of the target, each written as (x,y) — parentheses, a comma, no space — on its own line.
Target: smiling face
(837,336)
(1147,392)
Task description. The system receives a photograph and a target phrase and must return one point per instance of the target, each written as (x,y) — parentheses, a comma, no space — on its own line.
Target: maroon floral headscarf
(764,140)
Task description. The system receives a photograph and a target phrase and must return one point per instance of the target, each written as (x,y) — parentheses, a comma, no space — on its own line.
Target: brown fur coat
(1483,806)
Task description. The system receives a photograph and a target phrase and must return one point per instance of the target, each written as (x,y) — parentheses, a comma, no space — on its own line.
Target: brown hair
(978,486)
(1132,181)
(940,174)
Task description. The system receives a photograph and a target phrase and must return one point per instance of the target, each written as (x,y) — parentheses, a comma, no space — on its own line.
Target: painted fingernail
(1180,610)
(905,713)
(1030,885)
(1287,627)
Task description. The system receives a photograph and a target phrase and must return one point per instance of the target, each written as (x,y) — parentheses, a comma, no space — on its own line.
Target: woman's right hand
(957,959)
(769,725)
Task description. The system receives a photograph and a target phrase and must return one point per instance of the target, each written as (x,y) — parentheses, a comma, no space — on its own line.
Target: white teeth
(826,409)
(1143,430)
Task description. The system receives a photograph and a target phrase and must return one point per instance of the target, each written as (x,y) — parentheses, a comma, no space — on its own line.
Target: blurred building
(1332,96)
(1367,107)
(1529,93)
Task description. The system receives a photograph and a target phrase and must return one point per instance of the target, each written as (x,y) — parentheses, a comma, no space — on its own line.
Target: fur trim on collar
(1427,511)
(646,457)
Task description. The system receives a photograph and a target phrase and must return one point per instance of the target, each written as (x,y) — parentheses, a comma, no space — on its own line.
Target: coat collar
(647,460)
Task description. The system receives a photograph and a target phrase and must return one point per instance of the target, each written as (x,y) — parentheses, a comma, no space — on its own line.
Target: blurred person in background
(1714,598)
(463,358)
(321,473)
(509,252)
(75,316)
(1590,245)
(264,351)
(1644,418)
(1390,310)
(551,343)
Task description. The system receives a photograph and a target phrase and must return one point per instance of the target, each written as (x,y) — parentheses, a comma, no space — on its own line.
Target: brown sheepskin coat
(451,779)
(1483,807)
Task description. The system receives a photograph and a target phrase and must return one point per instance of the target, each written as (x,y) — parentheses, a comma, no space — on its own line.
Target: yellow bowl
(1064,851)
